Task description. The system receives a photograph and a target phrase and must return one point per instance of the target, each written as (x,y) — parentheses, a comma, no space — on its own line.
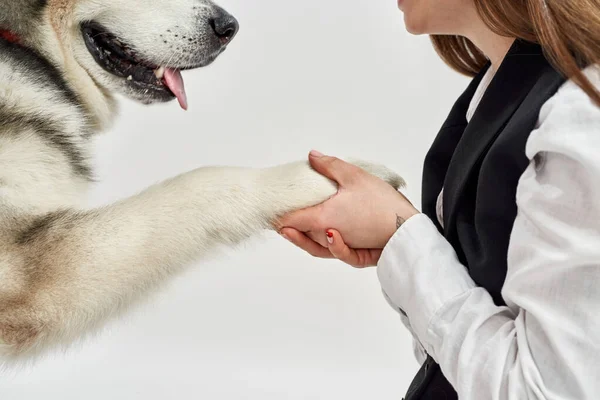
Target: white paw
(296,185)
(380,171)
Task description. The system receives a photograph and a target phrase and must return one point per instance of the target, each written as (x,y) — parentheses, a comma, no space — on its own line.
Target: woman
(499,277)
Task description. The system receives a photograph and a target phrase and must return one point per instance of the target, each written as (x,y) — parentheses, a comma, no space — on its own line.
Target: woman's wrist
(405,215)
(404,211)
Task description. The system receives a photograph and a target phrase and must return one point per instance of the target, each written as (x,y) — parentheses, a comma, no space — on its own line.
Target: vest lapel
(515,78)
(439,155)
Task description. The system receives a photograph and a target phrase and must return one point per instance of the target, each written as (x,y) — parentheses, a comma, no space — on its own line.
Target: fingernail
(315,153)
(329,237)
(286,237)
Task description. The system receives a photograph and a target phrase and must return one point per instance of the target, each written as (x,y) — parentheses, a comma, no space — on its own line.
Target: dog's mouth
(123,61)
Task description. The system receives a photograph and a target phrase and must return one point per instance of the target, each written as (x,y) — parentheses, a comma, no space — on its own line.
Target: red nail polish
(329,234)
(329,237)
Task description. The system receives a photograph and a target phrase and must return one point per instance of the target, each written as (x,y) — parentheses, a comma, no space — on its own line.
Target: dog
(65,269)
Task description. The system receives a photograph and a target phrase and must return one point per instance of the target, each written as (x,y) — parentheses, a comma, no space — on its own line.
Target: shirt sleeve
(544,344)
(418,350)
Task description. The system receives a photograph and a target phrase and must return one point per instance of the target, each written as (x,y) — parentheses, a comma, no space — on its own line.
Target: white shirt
(545,344)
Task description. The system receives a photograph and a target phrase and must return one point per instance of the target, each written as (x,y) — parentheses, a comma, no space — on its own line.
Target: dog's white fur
(66,269)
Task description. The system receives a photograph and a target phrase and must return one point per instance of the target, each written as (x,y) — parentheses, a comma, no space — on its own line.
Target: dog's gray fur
(65,269)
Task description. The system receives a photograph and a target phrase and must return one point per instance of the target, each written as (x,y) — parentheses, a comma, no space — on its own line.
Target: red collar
(9,36)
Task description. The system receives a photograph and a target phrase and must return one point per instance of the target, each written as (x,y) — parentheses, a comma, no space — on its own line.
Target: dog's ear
(19,16)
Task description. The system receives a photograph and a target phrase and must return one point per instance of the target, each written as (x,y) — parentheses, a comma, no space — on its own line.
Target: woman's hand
(355,224)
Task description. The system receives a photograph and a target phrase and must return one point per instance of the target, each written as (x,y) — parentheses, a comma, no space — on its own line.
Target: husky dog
(64,268)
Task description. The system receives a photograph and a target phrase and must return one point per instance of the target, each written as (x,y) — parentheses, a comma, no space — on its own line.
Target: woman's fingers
(305,243)
(357,258)
(360,258)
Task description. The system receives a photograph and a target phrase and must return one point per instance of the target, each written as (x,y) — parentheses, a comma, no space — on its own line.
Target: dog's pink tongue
(174,82)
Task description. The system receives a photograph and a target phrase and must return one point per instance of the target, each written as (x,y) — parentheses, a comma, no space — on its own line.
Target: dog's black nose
(224,25)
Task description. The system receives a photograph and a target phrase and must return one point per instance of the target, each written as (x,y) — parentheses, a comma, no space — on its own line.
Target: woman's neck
(491,44)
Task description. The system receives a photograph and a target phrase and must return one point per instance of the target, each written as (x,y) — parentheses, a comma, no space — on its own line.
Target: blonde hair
(567,30)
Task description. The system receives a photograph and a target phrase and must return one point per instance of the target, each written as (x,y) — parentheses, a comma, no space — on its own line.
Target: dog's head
(140,46)
(135,47)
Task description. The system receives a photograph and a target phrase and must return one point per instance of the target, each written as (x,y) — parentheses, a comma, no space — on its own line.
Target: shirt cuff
(419,273)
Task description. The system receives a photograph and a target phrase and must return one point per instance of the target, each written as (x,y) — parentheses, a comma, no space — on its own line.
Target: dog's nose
(225,26)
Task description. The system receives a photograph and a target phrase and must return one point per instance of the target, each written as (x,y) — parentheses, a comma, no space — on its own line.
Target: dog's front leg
(71,270)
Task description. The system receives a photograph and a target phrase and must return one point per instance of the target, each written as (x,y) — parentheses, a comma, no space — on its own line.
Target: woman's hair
(567,30)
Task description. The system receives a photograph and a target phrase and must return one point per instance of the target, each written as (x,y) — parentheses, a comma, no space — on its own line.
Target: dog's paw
(380,171)
(297,185)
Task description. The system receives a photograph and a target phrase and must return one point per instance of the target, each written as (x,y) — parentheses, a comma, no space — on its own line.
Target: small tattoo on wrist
(399,221)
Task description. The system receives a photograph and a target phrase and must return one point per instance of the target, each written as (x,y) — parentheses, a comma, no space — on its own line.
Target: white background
(266,321)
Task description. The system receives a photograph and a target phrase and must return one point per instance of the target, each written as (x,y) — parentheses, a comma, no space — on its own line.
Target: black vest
(479,165)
